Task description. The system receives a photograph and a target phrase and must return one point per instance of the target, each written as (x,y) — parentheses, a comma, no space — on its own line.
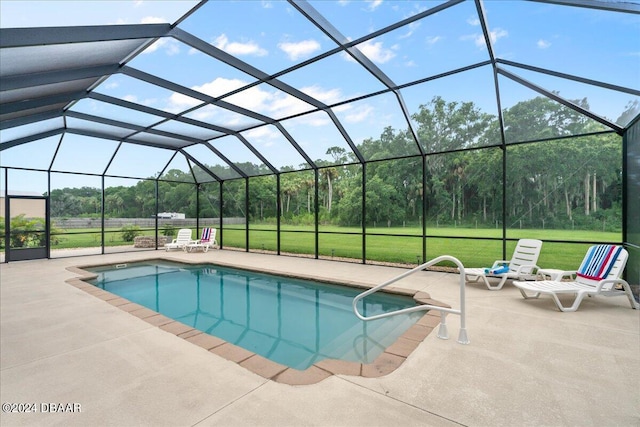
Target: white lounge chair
(207,240)
(183,237)
(599,274)
(521,266)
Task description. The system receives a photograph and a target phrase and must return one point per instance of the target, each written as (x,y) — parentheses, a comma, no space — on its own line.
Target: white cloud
(170,46)
(262,132)
(215,88)
(373,4)
(359,114)
(543,44)
(204,113)
(254,99)
(328,97)
(178,101)
(300,49)
(411,29)
(155,46)
(498,33)
(237,48)
(283,105)
(220,86)
(318,119)
(261,99)
(148,102)
(270,103)
(478,39)
(375,51)
(152,20)
(209,113)
(266,136)
(474,21)
(431,40)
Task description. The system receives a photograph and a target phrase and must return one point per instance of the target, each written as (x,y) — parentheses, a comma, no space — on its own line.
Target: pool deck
(527,363)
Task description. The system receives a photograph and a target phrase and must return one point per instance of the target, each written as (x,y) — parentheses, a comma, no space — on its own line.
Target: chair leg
(574,306)
(498,286)
(471,278)
(525,296)
(485,280)
(627,291)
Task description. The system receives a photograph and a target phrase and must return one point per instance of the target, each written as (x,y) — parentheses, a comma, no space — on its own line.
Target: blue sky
(273,37)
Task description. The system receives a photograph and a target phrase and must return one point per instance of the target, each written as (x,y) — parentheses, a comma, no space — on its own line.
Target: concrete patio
(527,363)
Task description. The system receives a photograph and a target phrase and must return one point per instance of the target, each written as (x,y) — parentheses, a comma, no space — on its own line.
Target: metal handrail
(442,331)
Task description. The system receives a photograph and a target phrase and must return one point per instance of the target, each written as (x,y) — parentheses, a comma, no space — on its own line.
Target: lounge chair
(207,240)
(599,274)
(521,266)
(183,237)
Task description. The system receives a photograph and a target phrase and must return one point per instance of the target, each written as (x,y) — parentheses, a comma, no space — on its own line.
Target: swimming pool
(290,321)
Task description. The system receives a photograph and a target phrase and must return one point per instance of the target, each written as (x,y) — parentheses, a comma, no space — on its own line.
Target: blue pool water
(290,321)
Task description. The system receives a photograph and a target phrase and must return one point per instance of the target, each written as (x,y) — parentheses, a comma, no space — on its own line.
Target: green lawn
(408,247)
(399,244)
(91,237)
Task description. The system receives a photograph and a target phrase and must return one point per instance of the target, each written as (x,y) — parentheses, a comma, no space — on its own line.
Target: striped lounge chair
(599,274)
(207,240)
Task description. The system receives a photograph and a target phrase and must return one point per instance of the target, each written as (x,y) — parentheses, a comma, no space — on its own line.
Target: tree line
(560,180)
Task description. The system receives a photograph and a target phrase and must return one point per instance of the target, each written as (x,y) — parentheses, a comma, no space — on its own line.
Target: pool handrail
(442,331)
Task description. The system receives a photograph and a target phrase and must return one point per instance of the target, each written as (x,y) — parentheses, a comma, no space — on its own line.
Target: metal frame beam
(43,36)
(32,118)
(618,6)
(57,76)
(561,100)
(45,101)
(31,138)
(206,99)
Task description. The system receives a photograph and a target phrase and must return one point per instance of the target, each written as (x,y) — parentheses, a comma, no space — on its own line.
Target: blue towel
(497,270)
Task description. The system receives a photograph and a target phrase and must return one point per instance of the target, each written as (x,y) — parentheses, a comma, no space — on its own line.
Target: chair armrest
(533,268)
(603,282)
(499,263)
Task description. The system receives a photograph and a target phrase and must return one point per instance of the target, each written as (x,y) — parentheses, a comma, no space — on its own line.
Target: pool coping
(388,361)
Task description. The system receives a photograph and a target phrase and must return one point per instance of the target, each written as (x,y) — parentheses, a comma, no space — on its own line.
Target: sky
(273,37)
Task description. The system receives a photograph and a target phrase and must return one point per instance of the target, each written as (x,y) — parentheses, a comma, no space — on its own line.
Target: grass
(90,237)
(394,244)
(383,245)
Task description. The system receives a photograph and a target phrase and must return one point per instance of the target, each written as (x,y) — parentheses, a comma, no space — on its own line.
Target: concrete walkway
(527,364)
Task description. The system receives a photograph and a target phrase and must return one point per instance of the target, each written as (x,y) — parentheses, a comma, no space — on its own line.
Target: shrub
(27,232)
(168,230)
(129,232)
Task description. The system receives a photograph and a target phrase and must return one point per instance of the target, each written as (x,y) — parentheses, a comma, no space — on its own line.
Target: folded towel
(599,261)
(206,235)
